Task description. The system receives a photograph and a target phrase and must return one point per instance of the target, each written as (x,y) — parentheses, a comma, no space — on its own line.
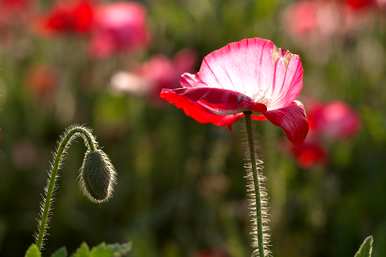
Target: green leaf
(33,251)
(121,250)
(102,250)
(61,252)
(111,250)
(366,249)
(83,251)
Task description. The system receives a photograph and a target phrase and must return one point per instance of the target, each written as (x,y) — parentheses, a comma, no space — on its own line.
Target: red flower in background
(159,72)
(64,18)
(360,4)
(14,11)
(15,5)
(309,154)
(119,27)
(249,75)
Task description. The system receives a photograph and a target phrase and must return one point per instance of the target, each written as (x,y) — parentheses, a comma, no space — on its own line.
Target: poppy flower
(335,120)
(157,73)
(358,5)
(251,75)
(69,18)
(119,27)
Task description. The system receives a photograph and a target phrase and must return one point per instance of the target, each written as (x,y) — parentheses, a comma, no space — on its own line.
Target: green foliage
(120,250)
(101,250)
(366,248)
(61,252)
(33,251)
(104,250)
(82,251)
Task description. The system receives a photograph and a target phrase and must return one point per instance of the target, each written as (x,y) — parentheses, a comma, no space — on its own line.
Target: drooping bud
(97,176)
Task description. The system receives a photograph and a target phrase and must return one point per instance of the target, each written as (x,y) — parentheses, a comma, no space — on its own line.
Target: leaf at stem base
(366,248)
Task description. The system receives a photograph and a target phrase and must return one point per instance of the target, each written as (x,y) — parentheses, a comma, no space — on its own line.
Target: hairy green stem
(46,205)
(256,183)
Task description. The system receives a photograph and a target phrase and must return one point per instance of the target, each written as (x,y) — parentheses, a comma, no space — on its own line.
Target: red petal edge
(198,112)
(292,119)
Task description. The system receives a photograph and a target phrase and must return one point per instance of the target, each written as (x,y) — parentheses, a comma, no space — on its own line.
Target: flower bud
(97,176)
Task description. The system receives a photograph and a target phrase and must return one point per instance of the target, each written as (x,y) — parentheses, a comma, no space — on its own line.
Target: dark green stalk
(58,158)
(256,185)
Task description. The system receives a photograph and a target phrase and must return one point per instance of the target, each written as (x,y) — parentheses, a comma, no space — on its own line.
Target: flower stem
(46,204)
(256,185)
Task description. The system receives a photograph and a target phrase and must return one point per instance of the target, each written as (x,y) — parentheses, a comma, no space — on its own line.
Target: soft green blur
(180,184)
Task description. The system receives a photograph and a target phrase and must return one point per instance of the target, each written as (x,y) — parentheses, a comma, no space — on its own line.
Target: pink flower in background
(301,18)
(381,4)
(312,20)
(250,75)
(157,73)
(119,26)
(184,61)
(73,17)
(335,120)
(162,72)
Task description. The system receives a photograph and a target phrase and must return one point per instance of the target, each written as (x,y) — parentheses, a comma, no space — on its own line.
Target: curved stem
(256,184)
(69,135)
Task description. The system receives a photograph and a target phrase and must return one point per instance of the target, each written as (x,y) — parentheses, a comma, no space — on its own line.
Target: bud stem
(256,183)
(69,135)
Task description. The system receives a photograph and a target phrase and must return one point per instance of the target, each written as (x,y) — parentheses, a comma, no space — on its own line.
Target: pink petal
(292,120)
(254,67)
(191,80)
(196,110)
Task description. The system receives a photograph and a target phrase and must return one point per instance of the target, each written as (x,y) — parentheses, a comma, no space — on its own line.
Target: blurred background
(181,187)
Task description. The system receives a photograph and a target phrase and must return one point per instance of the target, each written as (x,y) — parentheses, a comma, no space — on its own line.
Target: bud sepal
(97,176)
